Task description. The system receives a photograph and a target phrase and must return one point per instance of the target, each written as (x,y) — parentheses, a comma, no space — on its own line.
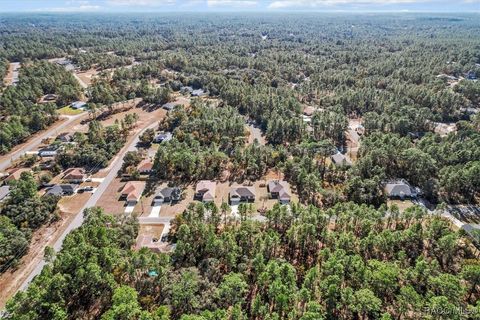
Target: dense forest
(347,262)
(339,253)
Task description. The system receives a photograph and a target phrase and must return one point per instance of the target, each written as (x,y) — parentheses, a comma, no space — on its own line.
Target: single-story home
(399,189)
(170,106)
(62,189)
(167,195)
(74,175)
(48,98)
(205,191)
(4,192)
(145,166)
(161,137)
(132,191)
(65,137)
(279,190)
(241,194)
(50,151)
(79,105)
(15,174)
(308,111)
(340,160)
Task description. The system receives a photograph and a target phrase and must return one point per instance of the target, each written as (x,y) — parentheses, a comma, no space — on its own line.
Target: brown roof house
(279,190)
(74,175)
(241,194)
(145,166)
(16,173)
(205,191)
(132,192)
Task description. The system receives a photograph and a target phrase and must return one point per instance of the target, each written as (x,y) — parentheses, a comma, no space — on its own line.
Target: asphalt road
(30,145)
(78,220)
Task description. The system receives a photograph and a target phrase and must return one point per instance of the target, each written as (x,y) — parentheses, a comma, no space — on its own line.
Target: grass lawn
(69,111)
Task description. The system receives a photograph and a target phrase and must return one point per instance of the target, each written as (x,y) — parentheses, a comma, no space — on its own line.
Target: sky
(65,6)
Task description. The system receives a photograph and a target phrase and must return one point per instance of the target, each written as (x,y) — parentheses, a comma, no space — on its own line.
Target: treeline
(303,263)
(21,112)
(22,213)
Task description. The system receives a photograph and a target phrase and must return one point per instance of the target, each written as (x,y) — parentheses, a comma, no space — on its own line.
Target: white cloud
(140,2)
(81,8)
(231,3)
(280,4)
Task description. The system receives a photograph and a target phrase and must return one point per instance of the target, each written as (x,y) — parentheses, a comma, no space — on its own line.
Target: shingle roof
(399,189)
(243,191)
(207,188)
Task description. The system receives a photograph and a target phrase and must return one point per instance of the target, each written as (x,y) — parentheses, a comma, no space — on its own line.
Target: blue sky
(237,5)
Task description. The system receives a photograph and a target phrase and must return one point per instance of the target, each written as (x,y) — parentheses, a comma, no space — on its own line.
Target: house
(279,190)
(15,174)
(198,93)
(167,195)
(74,175)
(132,192)
(308,111)
(205,191)
(50,151)
(241,194)
(49,98)
(340,160)
(170,106)
(399,189)
(65,137)
(62,189)
(79,105)
(471,75)
(4,192)
(166,136)
(145,166)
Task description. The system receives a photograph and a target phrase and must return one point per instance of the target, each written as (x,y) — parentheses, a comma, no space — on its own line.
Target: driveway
(78,220)
(155,213)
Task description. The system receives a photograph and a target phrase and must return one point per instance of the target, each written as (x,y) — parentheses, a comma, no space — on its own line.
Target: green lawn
(69,111)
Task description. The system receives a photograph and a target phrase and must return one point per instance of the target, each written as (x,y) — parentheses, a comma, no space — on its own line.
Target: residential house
(400,189)
(279,190)
(75,175)
(15,174)
(48,98)
(471,75)
(168,195)
(50,151)
(205,191)
(340,160)
(162,137)
(241,194)
(65,137)
(4,192)
(79,105)
(308,111)
(145,166)
(170,106)
(62,189)
(132,192)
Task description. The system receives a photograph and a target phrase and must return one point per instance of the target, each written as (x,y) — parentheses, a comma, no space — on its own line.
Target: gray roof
(4,192)
(60,189)
(170,105)
(169,192)
(242,192)
(398,189)
(340,159)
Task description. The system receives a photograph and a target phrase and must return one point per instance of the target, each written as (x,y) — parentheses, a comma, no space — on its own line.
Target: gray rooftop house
(4,192)
(400,189)
(79,105)
(241,194)
(279,190)
(50,151)
(62,190)
(340,160)
(170,106)
(168,195)
(161,137)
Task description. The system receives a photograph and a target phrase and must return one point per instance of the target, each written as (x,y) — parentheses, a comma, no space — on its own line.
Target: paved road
(30,145)
(78,220)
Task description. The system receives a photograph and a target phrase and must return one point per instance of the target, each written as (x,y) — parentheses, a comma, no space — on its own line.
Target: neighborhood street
(78,220)
(6,160)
